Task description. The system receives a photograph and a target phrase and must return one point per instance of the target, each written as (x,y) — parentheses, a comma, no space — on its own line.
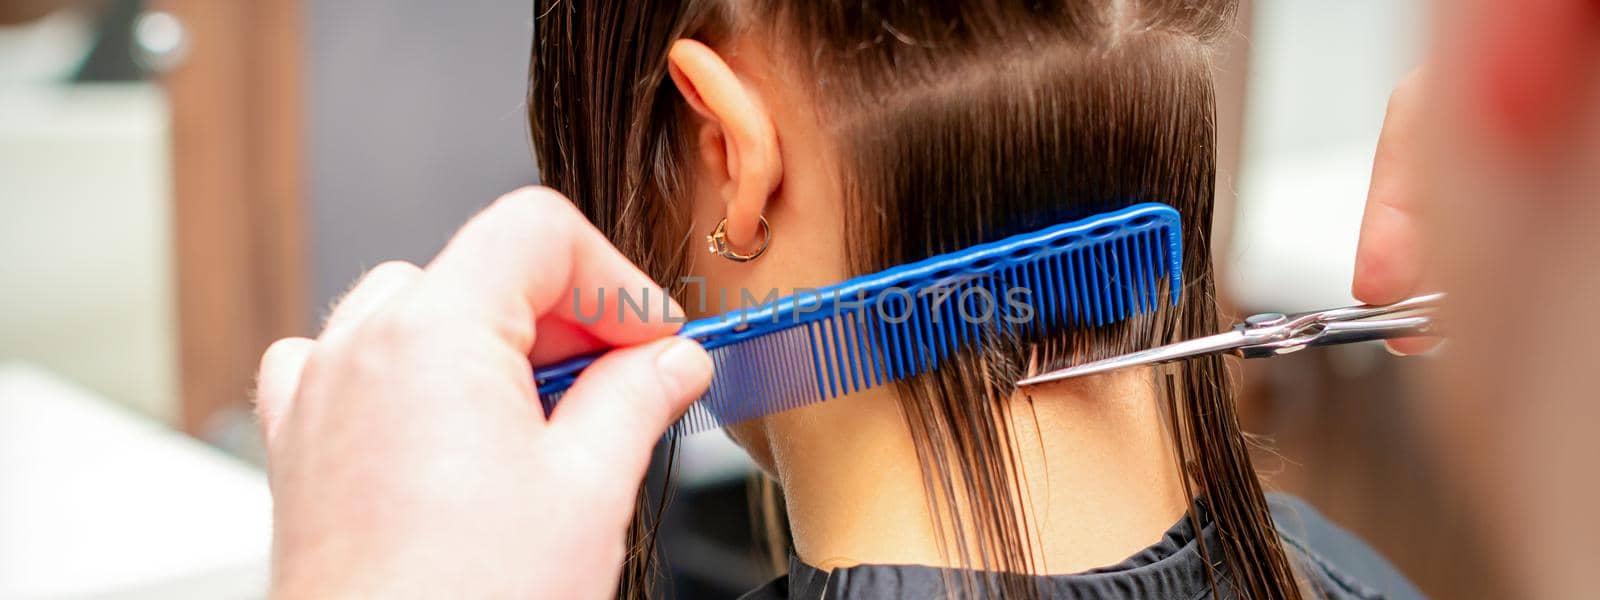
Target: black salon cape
(1337,564)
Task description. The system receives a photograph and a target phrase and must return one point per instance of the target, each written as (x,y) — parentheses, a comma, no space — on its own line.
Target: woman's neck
(1097,470)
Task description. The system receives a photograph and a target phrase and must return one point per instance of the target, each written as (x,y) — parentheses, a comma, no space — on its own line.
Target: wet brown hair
(954,123)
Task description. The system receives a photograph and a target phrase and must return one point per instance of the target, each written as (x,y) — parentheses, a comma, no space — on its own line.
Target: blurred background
(183,181)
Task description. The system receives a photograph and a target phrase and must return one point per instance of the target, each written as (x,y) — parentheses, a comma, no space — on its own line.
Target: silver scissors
(1273,334)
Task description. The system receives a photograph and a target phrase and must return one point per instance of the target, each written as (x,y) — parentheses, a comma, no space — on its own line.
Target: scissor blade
(1222,342)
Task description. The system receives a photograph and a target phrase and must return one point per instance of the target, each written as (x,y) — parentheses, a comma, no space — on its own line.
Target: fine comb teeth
(897,323)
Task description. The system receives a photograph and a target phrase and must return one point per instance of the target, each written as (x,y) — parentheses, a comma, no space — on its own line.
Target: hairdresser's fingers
(561,339)
(1389,256)
(373,290)
(622,404)
(1389,259)
(532,254)
(278,380)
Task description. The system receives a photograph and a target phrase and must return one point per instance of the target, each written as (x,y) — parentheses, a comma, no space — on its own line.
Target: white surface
(86,282)
(1320,77)
(711,457)
(47,50)
(97,501)
(1294,246)
(1321,72)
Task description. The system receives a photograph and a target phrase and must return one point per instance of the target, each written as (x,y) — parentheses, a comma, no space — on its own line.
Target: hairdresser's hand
(1389,259)
(408,453)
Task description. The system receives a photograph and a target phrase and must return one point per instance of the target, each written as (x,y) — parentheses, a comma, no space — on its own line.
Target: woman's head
(873,133)
(870,134)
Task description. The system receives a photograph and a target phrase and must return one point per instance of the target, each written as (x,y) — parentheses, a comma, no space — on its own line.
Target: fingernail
(684,367)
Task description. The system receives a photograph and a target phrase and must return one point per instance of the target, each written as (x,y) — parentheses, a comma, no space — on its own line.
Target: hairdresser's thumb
(623,403)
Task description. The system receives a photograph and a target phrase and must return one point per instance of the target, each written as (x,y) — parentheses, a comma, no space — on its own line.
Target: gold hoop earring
(718,244)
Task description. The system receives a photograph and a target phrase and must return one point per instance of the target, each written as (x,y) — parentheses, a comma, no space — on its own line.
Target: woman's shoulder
(1332,556)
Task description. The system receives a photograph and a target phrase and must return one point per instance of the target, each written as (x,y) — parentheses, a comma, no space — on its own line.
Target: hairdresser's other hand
(1389,259)
(407,450)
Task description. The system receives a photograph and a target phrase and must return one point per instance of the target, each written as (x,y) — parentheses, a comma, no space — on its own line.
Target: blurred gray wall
(415,121)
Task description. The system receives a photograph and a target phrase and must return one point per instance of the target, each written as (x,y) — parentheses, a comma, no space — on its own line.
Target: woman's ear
(737,140)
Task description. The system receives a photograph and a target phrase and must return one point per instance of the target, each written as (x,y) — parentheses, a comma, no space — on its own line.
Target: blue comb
(897,323)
